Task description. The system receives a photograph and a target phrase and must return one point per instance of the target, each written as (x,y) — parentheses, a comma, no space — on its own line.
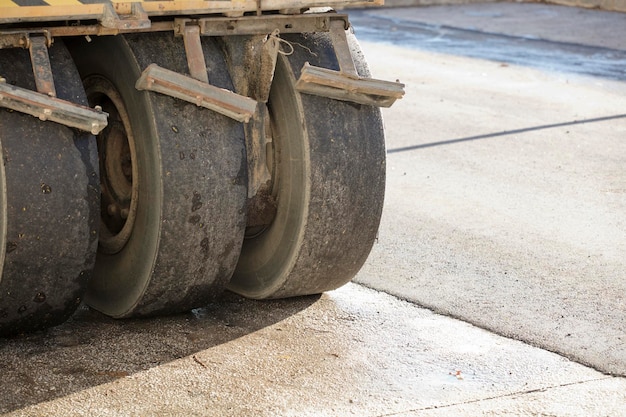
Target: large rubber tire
(49,203)
(188,167)
(329,184)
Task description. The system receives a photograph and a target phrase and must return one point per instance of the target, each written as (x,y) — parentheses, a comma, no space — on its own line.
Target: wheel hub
(116,153)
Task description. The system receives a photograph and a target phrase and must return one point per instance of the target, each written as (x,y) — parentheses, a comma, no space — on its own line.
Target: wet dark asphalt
(547,55)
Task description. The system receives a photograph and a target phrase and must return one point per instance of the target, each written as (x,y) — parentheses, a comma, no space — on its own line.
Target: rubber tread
(330,186)
(51,203)
(192,185)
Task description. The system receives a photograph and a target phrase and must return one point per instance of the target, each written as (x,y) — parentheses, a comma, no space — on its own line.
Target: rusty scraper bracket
(43,104)
(196,89)
(346,84)
(252,59)
(136,19)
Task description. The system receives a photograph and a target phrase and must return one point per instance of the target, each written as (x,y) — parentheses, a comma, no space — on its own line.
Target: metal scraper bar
(45,107)
(164,81)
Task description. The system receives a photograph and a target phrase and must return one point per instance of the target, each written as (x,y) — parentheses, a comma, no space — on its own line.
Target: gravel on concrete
(353,351)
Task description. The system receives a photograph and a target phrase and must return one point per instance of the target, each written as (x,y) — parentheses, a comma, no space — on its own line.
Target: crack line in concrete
(505,133)
(495,397)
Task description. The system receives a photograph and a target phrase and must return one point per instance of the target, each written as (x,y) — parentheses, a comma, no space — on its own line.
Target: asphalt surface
(551,38)
(505,208)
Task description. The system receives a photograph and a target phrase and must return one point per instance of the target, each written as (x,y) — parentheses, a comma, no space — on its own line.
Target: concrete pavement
(506,203)
(352,352)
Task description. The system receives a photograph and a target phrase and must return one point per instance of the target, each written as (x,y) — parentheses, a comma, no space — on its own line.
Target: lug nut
(113,210)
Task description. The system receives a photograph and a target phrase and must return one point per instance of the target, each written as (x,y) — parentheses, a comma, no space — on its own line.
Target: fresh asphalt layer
(552,38)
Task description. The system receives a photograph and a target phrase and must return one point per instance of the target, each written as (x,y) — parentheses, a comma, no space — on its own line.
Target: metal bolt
(45,115)
(112,209)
